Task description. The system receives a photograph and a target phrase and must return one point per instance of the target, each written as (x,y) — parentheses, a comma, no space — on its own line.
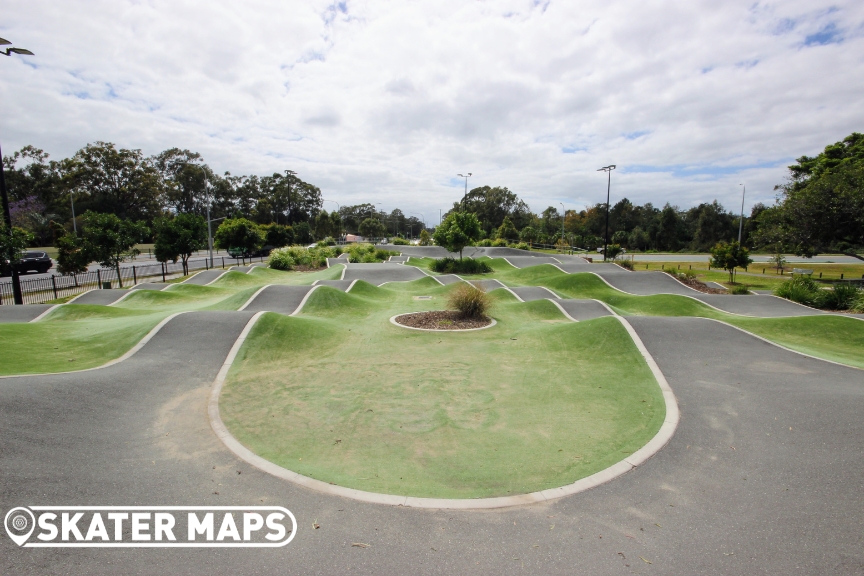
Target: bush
(628,264)
(464,266)
(308,257)
(281,259)
(469,301)
(483,243)
(842,297)
(399,242)
(521,246)
(858,305)
(800,289)
(739,289)
(368,254)
(328,241)
(499,242)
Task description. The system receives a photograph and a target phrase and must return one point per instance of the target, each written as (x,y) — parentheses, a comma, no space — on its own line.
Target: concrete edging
(393,321)
(667,429)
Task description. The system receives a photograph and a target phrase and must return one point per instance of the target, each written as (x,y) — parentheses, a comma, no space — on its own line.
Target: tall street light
(465,176)
(563,214)
(7,215)
(608,170)
(741,221)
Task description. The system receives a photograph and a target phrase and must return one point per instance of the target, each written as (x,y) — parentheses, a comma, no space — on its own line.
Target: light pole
(466,188)
(7,216)
(338,209)
(563,213)
(72,200)
(741,221)
(608,170)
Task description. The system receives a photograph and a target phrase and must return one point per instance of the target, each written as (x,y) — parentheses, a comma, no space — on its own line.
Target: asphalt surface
(764,474)
(763,306)
(205,277)
(22,313)
(281,299)
(102,297)
(529,293)
(338,284)
(378,274)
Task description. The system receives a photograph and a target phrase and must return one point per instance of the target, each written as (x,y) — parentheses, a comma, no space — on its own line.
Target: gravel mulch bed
(696,284)
(441,320)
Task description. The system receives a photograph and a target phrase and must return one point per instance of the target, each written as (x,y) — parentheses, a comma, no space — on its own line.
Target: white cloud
(386,101)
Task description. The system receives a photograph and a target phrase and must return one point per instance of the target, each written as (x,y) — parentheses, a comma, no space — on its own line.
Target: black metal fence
(41,290)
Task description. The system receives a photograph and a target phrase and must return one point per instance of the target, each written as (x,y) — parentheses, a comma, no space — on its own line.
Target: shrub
(800,289)
(739,289)
(281,259)
(521,246)
(842,297)
(858,305)
(368,254)
(464,266)
(328,241)
(399,242)
(469,301)
(483,243)
(628,264)
(499,242)
(309,257)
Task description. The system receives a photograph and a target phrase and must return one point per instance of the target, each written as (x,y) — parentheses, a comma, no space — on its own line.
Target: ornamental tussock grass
(469,301)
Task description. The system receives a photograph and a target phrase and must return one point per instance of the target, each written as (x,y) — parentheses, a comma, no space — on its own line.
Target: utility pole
(608,170)
(7,215)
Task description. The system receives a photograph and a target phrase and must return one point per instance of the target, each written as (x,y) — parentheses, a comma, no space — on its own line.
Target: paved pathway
(378,274)
(24,313)
(276,298)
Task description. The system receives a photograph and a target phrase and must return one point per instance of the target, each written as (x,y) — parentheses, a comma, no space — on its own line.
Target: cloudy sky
(386,101)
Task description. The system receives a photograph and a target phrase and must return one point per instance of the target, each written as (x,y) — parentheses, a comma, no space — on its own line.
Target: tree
(72,257)
(121,182)
(372,228)
(425,239)
(184,176)
(323,225)
(528,234)
(729,257)
(459,229)
(179,237)
(239,235)
(302,233)
(507,230)
(110,240)
(336,224)
(612,251)
(492,204)
(277,235)
(12,245)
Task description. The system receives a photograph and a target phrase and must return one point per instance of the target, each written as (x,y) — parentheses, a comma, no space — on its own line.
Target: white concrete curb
(45,313)
(393,321)
(255,295)
(667,429)
(303,302)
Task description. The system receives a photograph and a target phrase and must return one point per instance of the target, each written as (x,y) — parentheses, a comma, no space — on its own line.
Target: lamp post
(466,188)
(7,215)
(608,170)
(741,221)
(563,214)
(338,208)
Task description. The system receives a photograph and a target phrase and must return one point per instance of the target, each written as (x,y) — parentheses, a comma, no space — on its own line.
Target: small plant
(842,297)
(281,259)
(858,304)
(469,301)
(484,243)
(399,242)
(800,289)
(521,246)
(368,254)
(499,242)
(739,289)
(628,264)
(464,266)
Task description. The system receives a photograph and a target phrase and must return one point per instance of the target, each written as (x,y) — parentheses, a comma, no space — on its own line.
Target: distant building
(354,238)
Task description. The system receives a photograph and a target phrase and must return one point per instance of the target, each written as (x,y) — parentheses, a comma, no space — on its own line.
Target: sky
(387,101)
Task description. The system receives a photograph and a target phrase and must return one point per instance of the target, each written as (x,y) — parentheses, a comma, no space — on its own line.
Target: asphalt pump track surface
(763,475)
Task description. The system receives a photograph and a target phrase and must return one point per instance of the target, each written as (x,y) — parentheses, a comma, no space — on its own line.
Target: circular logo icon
(19,523)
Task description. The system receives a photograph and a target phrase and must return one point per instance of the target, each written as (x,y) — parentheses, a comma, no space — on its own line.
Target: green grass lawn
(341,395)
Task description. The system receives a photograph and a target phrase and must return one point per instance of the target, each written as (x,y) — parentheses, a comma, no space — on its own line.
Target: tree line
(819,208)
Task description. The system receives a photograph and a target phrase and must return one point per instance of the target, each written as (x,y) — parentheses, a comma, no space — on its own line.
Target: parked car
(31,261)
(239,253)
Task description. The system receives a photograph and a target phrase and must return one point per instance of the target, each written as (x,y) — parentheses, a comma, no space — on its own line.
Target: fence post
(99,277)
(163,271)
(54,285)
(134,276)
(223,262)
